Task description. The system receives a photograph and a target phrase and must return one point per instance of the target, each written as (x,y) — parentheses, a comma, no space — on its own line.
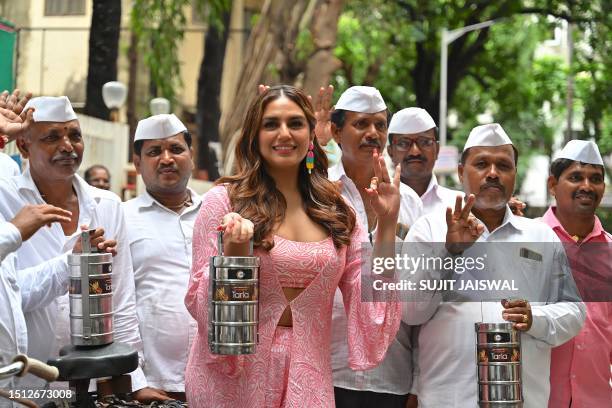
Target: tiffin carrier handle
(220,243)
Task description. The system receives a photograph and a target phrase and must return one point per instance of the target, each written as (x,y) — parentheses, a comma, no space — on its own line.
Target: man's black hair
(138,144)
(557,167)
(87,174)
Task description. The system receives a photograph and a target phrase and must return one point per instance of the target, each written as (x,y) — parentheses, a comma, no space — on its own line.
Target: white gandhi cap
(362,99)
(51,109)
(410,121)
(490,135)
(583,151)
(159,127)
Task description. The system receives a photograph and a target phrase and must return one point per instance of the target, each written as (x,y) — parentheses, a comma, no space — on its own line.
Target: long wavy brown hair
(253,193)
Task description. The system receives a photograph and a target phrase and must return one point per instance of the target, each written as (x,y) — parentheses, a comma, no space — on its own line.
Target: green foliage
(160,26)
(213,10)
(521,88)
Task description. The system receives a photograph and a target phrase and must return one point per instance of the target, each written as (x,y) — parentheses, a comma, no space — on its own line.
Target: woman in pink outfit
(309,243)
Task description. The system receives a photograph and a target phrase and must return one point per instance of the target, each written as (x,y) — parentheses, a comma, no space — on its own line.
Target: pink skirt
(278,373)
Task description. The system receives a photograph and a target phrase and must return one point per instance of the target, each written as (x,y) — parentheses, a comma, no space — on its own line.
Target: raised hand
(13,125)
(383,194)
(517,206)
(12,102)
(32,217)
(463,229)
(262,88)
(323,115)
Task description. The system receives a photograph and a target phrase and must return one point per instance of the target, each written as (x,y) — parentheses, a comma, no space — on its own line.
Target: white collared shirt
(448,373)
(49,326)
(13,334)
(8,166)
(160,244)
(394,373)
(39,285)
(437,198)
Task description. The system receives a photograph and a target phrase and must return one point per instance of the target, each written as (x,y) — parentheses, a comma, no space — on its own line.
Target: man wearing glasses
(413,144)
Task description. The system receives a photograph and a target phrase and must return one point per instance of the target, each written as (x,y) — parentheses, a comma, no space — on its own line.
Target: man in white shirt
(413,143)
(359,126)
(8,166)
(54,147)
(163,157)
(35,285)
(447,362)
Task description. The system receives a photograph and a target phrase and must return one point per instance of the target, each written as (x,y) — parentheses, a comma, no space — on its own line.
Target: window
(64,7)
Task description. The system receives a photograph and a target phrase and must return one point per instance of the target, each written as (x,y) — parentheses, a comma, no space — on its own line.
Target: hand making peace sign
(463,228)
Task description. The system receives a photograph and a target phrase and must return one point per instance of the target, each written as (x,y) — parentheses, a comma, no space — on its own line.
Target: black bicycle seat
(80,363)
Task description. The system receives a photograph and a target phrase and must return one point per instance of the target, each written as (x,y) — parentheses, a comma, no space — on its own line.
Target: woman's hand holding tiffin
(237,232)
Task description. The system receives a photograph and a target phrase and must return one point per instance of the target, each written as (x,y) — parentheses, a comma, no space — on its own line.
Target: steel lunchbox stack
(498,354)
(91,310)
(233,312)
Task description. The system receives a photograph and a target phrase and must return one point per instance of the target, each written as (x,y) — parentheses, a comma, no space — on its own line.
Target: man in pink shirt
(580,368)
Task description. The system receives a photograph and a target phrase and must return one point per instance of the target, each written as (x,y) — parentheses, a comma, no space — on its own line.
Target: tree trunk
(209,90)
(324,28)
(268,46)
(132,117)
(103,50)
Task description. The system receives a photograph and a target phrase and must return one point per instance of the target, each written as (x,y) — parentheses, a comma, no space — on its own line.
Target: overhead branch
(561,15)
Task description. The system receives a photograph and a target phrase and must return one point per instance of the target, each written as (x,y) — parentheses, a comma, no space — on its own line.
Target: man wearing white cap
(359,126)
(413,143)
(163,157)
(580,368)
(447,339)
(53,145)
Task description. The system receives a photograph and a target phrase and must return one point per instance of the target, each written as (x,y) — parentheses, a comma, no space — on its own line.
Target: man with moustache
(359,126)
(413,143)
(53,145)
(447,370)
(580,368)
(163,157)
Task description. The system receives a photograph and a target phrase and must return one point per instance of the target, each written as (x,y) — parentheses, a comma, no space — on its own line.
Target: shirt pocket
(532,281)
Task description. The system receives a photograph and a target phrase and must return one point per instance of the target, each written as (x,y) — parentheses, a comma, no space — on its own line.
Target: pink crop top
(297,264)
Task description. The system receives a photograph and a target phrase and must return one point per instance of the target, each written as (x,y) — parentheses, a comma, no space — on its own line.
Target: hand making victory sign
(383,193)
(463,229)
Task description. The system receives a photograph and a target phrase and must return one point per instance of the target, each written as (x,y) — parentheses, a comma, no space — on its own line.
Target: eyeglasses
(404,145)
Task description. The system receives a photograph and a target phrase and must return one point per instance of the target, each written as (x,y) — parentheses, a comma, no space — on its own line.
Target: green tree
(159,26)
(491,70)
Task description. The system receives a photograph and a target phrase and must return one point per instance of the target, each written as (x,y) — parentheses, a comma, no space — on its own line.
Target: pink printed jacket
(239,381)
